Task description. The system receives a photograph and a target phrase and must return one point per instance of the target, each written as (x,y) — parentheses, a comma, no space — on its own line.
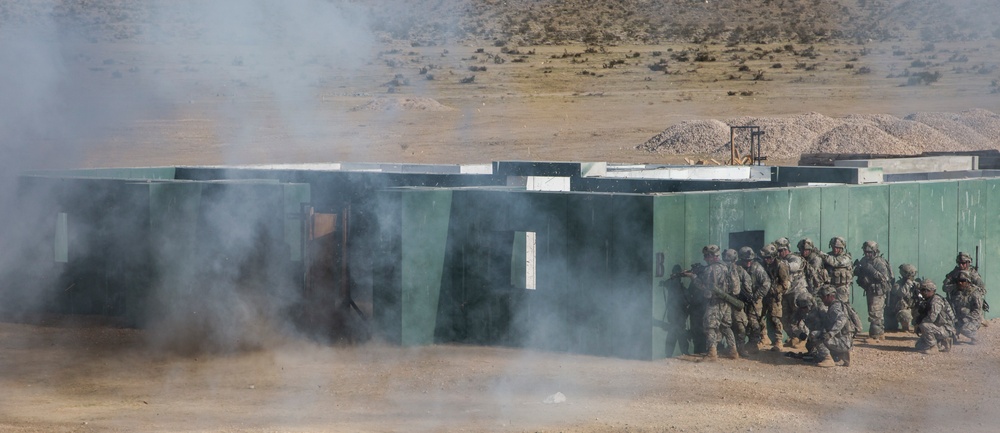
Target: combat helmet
(781,243)
(746,253)
(927,285)
(729,255)
(870,246)
(827,290)
(710,250)
(769,251)
(806,244)
(907,270)
(837,242)
(963,257)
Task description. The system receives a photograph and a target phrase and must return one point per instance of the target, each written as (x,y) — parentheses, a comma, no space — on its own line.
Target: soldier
(796,289)
(760,284)
(840,268)
(676,314)
(903,296)
(963,263)
(729,257)
(813,268)
(833,337)
(967,302)
(777,271)
(875,277)
(716,283)
(934,319)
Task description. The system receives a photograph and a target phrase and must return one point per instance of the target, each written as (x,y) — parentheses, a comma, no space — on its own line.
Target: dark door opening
(753,239)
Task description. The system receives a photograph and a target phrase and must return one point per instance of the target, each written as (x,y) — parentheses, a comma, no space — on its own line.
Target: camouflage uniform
(840,267)
(675,315)
(745,294)
(901,299)
(967,302)
(760,284)
(935,320)
(833,337)
(875,277)
(813,269)
(777,271)
(963,263)
(796,289)
(713,280)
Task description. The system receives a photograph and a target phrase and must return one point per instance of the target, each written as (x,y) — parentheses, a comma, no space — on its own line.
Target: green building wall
(923,223)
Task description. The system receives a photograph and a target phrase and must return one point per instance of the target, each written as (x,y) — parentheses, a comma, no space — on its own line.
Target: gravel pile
(790,136)
(922,136)
(951,124)
(691,138)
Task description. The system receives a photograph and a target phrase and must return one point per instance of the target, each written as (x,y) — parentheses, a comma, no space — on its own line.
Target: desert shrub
(658,66)
(925,78)
(703,56)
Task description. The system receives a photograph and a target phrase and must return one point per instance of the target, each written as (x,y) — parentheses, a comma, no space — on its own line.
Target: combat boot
(733,353)
(827,362)
(792,342)
(801,344)
(713,353)
(847,359)
(946,345)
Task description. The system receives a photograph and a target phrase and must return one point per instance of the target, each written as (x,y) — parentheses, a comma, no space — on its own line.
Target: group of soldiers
(805,298)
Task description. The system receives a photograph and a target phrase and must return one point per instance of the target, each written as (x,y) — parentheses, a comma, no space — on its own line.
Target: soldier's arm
(794,264)
(840,321)
(882,272)
(763,282)
(783,274)
(933,310)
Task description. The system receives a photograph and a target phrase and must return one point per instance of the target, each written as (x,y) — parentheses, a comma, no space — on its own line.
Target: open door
(330,310)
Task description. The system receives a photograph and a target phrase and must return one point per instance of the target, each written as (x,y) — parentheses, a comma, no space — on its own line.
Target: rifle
(730,299)
(986,305)
(696,269)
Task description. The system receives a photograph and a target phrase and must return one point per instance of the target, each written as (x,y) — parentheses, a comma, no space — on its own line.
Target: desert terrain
(107,83)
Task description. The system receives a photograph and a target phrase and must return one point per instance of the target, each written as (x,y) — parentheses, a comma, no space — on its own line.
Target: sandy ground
(79,377)
(205,105)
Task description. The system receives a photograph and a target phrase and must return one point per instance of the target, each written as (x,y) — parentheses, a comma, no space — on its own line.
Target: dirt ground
(210,104)
(74,376)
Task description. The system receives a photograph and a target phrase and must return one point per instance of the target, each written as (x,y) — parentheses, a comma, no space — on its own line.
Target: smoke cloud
(79,76)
